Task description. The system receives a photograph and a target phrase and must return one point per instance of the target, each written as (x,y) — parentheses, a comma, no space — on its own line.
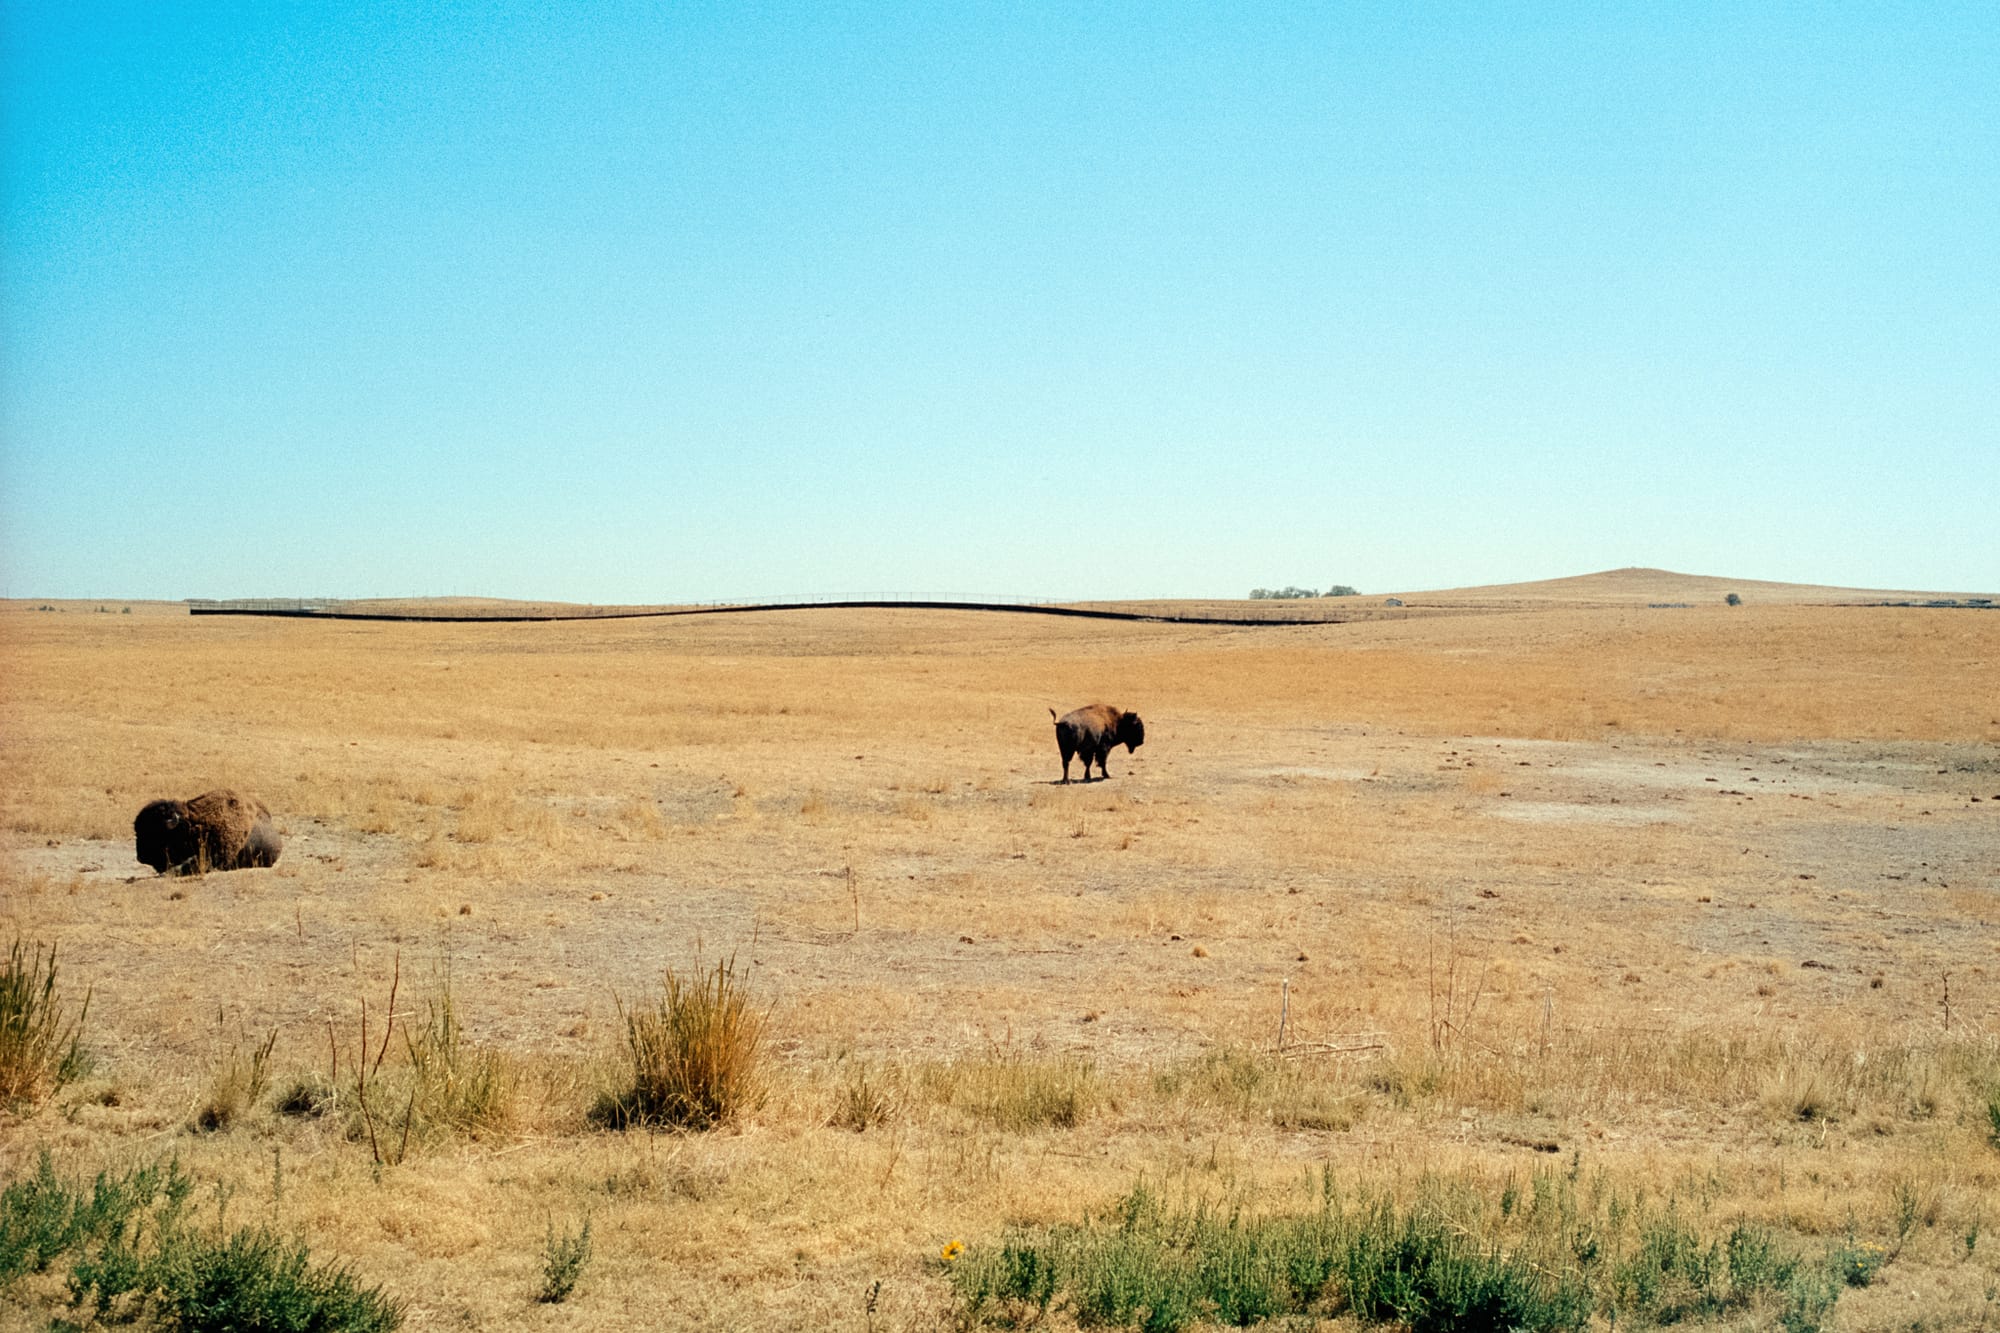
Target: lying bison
(217,830)
(1094,731)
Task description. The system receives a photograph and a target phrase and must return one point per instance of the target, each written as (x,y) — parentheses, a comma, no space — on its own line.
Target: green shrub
(1237,1274)
(131,1252)
(1808,1299)
(1856,1263)
(43,1217)
(694,1055)
(564,1257)
(1027,1273)
(252,1280)
(1147,1266)
(1420,1271)
(1673,1276)
(1445,1262)
(1755,1265)
(40,1050)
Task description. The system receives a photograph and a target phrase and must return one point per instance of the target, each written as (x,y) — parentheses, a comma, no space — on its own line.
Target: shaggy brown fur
(217,830)
(1094,731)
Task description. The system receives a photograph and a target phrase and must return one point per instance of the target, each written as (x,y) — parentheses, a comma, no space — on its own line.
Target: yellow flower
(952,1251)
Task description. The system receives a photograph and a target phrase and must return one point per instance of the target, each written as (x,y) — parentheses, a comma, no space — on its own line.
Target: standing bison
(217,830)
(1094,731)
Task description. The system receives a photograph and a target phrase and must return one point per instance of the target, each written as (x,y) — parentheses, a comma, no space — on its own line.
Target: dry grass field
(1697,909)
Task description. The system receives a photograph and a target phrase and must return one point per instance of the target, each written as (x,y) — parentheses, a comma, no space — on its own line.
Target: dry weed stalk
(1453,1021)
(1352,1043)
(364,1072)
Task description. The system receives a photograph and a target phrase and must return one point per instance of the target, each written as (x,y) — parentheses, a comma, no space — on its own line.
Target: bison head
(1131,731)
(164,835)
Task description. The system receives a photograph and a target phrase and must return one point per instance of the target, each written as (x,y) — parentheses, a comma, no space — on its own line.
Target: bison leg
(1067,744)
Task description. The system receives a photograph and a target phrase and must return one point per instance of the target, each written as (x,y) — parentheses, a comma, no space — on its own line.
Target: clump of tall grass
(694,1054)
(40,1048)
(131,1252)
(863,1102)
(241,1074)
(444,1084)
(459,1086)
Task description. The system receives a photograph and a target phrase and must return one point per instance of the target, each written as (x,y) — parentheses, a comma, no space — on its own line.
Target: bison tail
(1053,717)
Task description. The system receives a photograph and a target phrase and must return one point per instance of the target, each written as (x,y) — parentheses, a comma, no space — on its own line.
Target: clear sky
(666,302)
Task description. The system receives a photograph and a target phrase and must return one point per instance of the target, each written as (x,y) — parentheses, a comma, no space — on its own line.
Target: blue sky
(687,302)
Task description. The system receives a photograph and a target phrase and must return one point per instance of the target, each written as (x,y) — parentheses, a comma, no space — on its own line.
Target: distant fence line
(208,606)
(329,608)
(380,609)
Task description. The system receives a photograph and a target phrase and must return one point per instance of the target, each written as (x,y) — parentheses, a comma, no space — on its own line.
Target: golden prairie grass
(996,1000)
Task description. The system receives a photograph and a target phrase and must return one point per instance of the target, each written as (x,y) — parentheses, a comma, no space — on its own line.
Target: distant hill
(1639,586)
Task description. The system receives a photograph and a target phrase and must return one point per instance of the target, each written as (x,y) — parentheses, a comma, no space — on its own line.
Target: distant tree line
(1292,594)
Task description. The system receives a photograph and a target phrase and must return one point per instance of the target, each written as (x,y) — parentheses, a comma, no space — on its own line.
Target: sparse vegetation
(40,1046)
(1012,1091)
